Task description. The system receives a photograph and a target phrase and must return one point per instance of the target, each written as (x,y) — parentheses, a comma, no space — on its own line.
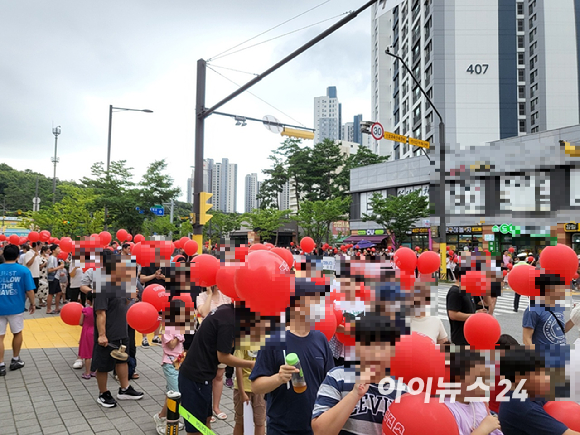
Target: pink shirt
(171,354)
(466,413)
(222,300)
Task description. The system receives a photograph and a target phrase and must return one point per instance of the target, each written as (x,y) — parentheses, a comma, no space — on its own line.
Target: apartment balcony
(415,13)
(416,36)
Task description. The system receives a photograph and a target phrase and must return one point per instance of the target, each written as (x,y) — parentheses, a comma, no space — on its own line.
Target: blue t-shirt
(528,418)
(367,416)
(289,412)
(548,337)
(15,281)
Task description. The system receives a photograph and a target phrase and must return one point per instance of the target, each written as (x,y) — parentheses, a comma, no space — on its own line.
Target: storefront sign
(571,227)
(489,237)
(340,228)
(514,230)
(367,232)
(464,230)
(420,231)
(408,189)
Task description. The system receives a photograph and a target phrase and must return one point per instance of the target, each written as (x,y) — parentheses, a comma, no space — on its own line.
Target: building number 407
(478,68)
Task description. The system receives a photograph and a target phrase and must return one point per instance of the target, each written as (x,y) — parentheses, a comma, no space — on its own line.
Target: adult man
(110,306)
(54,289)
(32,261)
(16,284)
(126,249)
(153,274)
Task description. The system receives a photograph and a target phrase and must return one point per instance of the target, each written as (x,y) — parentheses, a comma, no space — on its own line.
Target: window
(405,106)
(533,21)
(534,118)
(396,117)
(417,133)
(521,59)
(521,41)
(520,25)
(521,92)
(534,90)
(535,129)
(533,61)
(533,35)
(522,107)
(533,48)
(520,8)
(533,104)
(533,76)
(532,6)
(522,125)
(521,75)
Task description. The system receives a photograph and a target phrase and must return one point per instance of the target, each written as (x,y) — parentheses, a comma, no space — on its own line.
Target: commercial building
(252,191)
(494,69)
(327,116)
(522,191)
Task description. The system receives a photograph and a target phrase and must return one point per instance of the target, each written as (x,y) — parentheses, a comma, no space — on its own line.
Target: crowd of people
(297,377)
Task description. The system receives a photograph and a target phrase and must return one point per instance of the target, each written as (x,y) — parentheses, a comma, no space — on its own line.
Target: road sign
(396,137)
(157,211)
(419,143)
(377,131)
(272,124)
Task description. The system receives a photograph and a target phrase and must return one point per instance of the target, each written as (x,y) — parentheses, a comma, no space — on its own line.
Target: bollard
(173,399)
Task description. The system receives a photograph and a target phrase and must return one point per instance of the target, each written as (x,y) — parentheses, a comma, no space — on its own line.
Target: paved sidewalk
(49,397)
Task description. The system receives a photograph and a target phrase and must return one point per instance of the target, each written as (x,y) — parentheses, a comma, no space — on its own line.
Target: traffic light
(300,134)
(204,207)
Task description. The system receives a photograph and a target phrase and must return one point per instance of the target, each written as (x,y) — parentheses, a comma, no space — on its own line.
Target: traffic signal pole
(201,112)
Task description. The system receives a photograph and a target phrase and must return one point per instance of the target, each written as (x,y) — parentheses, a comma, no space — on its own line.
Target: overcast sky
(63,63)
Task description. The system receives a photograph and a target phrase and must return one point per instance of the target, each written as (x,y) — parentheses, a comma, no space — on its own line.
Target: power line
(269,30)
(236,70)
(254,95)
(280,36)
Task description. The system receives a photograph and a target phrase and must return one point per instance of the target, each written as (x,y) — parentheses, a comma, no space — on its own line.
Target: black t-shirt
(116,310)
(458,300)
(216,334)
(150,270)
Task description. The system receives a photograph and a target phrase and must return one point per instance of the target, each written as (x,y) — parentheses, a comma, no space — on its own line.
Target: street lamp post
(118,109)
(442,211)
(56,132)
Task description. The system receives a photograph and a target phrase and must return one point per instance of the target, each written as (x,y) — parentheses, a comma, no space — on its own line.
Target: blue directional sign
(157,211)
(139,210)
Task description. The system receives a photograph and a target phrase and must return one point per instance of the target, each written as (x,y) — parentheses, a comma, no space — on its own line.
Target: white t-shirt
(430,326)
(75,281)
(35,267)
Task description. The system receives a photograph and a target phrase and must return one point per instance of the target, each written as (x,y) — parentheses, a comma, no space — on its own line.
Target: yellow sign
(570,149)
(419,143)
(571,227)
(396,137)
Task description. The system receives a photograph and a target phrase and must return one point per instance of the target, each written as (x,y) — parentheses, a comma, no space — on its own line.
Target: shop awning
(373,239)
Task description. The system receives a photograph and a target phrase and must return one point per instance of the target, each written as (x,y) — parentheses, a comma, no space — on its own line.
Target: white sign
(489,237)
(426,223)
(377,131)
(408,189)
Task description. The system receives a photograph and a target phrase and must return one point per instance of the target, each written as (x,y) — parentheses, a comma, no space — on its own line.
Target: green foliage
(221,224)
(324,165)
(398,214)
(315,217)
(158,226)
(266,222)
(273,185)
(184,230)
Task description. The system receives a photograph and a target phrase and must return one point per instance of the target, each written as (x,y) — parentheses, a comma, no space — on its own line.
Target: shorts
(102,359)
(196,399)
(54,287)
(16,322)
(258,406)
(171,377)
(36,284)
(222,366)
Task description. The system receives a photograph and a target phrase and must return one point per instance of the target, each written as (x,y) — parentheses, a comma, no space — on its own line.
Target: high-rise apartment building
(356,133)
(494,69)
(252,191)
(348,131)
(207,176)
(327,116)
(225,186)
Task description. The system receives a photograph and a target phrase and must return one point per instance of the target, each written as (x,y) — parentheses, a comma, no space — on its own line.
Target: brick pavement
(49,397)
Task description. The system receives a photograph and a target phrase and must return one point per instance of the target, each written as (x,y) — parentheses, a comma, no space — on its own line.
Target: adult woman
(43,276)
(206,302)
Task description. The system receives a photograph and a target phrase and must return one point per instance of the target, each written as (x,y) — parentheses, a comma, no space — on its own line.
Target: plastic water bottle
(298,380)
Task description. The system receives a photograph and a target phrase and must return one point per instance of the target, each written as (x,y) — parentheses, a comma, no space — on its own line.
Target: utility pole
(56,132)
(36,199)
(201,113)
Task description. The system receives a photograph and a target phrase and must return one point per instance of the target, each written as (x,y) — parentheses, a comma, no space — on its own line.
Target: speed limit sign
(377,131)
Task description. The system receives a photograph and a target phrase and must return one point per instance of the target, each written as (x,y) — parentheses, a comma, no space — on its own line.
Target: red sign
(340,228)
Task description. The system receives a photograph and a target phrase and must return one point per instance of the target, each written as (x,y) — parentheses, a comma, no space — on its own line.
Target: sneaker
(145,342)
(78,364)
(229,382)
(160,423)
(129,394)
(16,364)
(106,400)
(3,370)
(156,340)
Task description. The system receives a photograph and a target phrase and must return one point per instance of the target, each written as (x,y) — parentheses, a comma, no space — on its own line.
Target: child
(172,343)
(87,337)
(342,397)
(470,411)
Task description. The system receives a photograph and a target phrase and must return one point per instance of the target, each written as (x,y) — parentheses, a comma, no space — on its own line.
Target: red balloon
(204,269)
(33,236)
(505,272)
(186,297)
(166,249)
(122,235)
(22,241)
(512,249)
(142,317)
(435,418)
(264,283)
(241,252)
(530,259)
(510,266)
(2,237)
(152,329)
(14,239)
(178,244)
(566,412)
(338,313)
(447,248)
(576,276)
(155,295)
(482,331)
(407,281)
(416,356)
(307,244)
(183,241)
(417,248)
(560,260)
(144,255)
(71,313)
(66,244)
(522,280)
(405,259)
(129,238)
(268,245)
(428,262)
(105,237)
(285,254)
(191,247)
(291,243)
(62,255)
(258,247)
(475,283)
(139,238)
(344,338)
(327,325)
(225,280)
(44,236)
(452,253)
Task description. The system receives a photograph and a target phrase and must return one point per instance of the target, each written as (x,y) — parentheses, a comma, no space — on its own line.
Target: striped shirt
(367,416)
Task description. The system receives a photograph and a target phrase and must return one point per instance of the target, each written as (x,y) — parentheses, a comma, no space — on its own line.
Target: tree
(398,214)
(296,161)
(273,185)
(363,157)
(159,226)
(315,217)
(221,224)
(324,165)
(266,222)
